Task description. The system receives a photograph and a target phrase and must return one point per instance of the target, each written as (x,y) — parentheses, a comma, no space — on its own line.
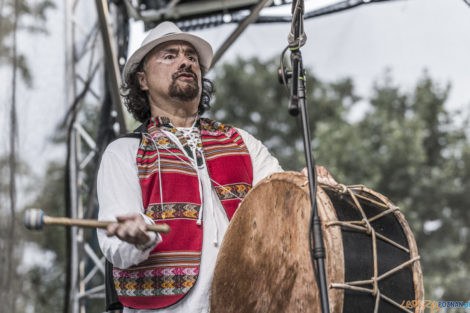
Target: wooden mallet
(35,219)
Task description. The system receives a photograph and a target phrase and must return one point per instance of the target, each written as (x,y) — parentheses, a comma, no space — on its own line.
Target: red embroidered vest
(173,266)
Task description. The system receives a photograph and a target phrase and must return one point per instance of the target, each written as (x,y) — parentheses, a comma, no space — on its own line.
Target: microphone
(297,37)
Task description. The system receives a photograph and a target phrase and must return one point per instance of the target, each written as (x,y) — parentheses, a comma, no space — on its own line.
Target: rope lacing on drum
(343,188)
(364,225)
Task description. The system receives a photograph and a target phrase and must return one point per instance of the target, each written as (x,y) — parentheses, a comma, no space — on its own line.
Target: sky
(406,36)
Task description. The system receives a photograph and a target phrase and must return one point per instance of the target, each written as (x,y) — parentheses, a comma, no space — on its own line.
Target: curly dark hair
(136,100)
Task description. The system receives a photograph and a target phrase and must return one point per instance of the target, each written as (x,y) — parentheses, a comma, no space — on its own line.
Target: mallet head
(34,219)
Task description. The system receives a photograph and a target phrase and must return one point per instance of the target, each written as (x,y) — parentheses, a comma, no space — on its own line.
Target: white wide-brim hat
(164,32)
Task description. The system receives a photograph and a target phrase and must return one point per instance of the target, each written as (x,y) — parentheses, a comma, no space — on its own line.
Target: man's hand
(131,228)
(323,176)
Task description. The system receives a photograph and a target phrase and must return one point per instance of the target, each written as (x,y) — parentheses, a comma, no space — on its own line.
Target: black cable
(283,80)
(311,240)
(282,73)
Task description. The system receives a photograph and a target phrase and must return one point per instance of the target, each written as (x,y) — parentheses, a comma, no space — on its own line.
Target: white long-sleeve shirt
(119,193)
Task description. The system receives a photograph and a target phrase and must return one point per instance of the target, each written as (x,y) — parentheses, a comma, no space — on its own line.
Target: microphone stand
(297,105)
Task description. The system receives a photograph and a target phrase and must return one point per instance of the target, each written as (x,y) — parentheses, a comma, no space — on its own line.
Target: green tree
(248,96)
(407,148)
(11,12)
(43,283)
(404,146)
(9,254)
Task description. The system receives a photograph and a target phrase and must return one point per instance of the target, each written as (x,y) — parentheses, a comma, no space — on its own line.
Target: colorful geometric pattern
(233,191)
(169,273)
(173,211)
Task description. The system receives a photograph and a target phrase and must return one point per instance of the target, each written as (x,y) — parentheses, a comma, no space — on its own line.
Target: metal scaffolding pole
(92,80)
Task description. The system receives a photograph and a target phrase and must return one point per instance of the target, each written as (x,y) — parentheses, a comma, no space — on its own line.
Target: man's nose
(184,62)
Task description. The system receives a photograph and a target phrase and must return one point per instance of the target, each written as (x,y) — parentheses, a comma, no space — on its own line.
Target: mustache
(184,71)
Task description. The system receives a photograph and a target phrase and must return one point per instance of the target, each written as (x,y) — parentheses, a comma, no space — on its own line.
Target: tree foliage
(43,283)
(403,145)
(15,16)
(248,96)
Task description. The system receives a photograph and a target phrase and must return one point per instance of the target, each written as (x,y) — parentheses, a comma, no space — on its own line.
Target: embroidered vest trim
(173,266)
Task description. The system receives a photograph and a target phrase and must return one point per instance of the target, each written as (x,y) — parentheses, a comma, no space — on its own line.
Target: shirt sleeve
(119,194)
(263,162)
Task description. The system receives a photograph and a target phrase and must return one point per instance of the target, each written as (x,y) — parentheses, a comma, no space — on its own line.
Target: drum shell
(264,264)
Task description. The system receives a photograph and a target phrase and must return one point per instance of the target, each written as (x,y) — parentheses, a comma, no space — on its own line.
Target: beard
(189,91)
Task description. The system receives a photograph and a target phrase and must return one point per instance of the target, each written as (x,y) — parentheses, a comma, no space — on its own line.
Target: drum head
(264,263)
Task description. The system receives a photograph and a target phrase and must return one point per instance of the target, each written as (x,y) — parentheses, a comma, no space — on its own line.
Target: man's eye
(192,59)
(169,57)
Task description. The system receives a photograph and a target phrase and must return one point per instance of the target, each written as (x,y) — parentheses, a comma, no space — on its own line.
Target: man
(180,169)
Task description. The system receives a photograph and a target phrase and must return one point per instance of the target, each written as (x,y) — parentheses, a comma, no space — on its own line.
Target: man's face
(171,71)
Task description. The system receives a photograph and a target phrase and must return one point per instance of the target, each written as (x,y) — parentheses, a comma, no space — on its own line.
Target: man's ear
(142,81)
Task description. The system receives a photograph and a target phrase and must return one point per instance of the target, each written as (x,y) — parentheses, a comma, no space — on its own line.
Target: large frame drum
(264,264)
